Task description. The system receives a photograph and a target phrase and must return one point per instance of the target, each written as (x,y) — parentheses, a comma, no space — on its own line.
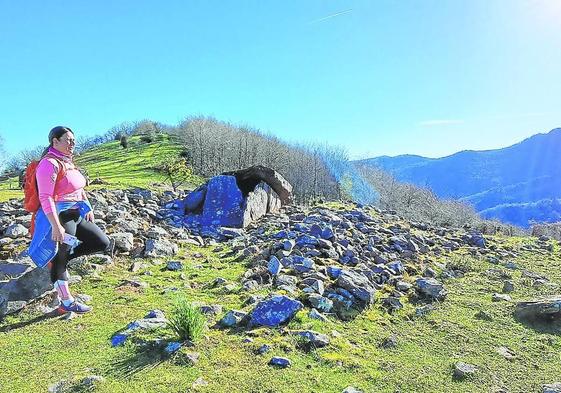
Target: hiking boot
(111,249)
(77,307)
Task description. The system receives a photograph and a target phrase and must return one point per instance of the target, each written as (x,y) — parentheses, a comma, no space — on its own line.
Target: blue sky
(378,77)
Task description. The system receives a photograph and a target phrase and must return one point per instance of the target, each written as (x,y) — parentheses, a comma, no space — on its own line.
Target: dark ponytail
(56,132)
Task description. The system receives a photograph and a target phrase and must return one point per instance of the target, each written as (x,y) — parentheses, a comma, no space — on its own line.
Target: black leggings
(91,236)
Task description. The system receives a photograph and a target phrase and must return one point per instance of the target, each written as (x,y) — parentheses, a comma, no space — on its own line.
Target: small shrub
(187,320)
(148,138)
(124,142)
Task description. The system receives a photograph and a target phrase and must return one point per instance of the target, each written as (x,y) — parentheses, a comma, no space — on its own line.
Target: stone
(351,389)
(146,324)
(497,297)
(274,266)
(484,316)
(506,353)
(223,203)
(160,248)
(199,382)
(123,241)
(192,357)
(312,338)
(274,310)
(392,304)
(59,387)
(155,314)
(91,381)
(315,314)
(508,286)
(389,342)
(357,284)
(552,388)
(232,318)
(279,362)
(334,271)
(174,266)
(423,310)
(34,283)
(16,230)
(263,349)
(463,370)
(320,302)
(403,286)
(430,288)
(547,309)
(213,309)
(156,232)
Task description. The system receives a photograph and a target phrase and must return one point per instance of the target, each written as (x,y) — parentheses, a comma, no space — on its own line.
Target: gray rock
(174,266)
(315,314)
(484,316)
(312,338)
(263,349)
(59,387)
(357,284)
(274,266)
(547,309)
(552,388)
(508,286)
(392,304)
(16,230)
(463,370)
(156,232)
(389,342)
(430,288)
(123,241)
(350,389)
(320,302)
(506,353)
(91,381)
(497,297)
(403,286)
(232,318)
(159,248)
(213,309)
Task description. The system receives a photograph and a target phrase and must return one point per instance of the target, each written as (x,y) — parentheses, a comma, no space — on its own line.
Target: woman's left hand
(90,216)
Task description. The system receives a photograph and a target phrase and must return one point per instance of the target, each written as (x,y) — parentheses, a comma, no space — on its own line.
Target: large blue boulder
(195,199)
(223,203)
(274,310)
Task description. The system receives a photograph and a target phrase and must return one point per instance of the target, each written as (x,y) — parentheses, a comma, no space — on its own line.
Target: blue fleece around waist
(42,248)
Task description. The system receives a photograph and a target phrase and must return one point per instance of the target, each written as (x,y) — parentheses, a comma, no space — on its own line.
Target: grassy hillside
(134,166)
(38,351)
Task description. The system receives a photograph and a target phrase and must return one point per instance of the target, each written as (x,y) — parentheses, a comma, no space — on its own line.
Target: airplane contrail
(331,16)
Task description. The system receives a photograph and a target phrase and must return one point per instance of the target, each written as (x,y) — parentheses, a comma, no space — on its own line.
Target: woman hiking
(64,210)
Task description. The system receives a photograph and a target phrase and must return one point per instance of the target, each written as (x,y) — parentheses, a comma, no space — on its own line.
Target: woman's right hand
(58,233)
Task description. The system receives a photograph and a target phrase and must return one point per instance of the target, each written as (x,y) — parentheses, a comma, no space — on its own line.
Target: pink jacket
(68,188)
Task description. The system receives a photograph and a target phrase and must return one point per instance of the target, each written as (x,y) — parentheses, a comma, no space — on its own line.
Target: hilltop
(393,336)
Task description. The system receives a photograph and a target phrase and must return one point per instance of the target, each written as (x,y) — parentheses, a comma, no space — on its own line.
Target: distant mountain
(516,184)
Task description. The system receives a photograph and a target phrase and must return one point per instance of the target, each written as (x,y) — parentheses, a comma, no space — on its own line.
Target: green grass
(41,353)
(121,168)
(37,352)
(187,320)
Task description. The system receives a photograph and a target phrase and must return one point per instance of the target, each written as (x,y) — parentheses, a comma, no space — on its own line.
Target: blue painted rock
(223,203)
(279,362)
(274,265)
(274,310)
(195,199)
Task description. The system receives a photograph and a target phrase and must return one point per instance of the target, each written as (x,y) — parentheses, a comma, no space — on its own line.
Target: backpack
(31,201)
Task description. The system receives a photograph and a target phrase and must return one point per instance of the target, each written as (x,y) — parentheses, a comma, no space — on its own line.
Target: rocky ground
(333,261)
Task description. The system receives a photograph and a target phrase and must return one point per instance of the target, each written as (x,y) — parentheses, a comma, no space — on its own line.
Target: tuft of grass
(187,320)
